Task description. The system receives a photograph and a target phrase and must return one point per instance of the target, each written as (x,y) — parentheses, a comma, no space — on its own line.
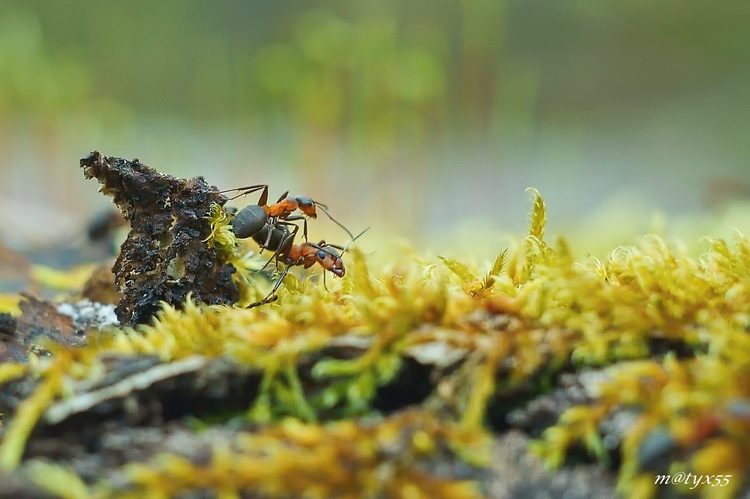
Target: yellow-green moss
(344,459)
(31,409)
(9,303)
(702,404)
(55,479)
(65,280)
(533,310)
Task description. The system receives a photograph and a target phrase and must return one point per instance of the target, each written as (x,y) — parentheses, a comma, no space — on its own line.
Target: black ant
(254,218)
(306,254)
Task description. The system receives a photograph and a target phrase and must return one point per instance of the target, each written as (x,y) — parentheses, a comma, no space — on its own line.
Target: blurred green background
(422,118)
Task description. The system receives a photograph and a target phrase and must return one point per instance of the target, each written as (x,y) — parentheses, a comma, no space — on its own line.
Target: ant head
(330,260)
(307,206)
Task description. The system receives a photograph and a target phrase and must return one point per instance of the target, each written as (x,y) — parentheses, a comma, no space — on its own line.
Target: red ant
(252,219)
(268,226)
(306,254)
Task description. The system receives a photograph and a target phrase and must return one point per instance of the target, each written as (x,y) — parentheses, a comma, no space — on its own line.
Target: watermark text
(692,480)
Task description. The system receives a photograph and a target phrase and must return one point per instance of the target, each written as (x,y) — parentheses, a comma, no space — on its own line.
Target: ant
(306,254)
(268,225)
(254,218)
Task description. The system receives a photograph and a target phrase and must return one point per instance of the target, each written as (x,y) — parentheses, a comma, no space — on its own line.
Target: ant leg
(264,301)
(270,222)
(263,199)
(266,264)
(271,297)
(286,240)
(283,196)
(273,222)
(296,218)
(304,225)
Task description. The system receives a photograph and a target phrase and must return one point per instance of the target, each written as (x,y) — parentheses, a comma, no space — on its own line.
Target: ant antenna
(353,239)
(325,210)
(249,189)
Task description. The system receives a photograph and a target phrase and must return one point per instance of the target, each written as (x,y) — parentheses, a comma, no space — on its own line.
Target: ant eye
(321,255)
(305,202)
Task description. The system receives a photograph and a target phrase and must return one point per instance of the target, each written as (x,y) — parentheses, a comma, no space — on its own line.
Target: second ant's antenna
(353,239)
(343,250)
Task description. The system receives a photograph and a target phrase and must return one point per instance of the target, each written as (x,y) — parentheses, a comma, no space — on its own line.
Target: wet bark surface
(164,257)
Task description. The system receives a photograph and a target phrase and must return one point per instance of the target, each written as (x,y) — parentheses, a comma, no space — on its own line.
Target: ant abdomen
(249,221)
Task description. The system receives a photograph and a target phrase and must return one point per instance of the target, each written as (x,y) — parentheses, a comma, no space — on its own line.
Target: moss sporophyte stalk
(328,373)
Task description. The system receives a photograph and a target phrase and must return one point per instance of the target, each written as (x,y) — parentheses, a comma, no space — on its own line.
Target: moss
(56,479)
(31,409)
(699,408)
(669,330)
(64,280)
(9,303)
(293,459)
